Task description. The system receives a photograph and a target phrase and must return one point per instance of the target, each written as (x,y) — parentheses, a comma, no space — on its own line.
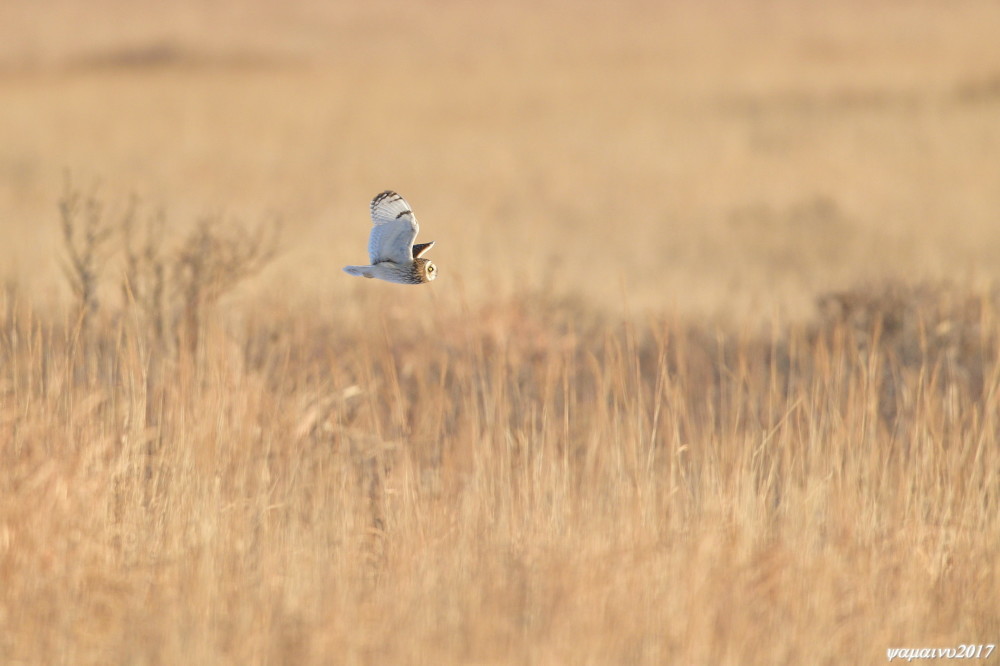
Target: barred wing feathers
(394,231)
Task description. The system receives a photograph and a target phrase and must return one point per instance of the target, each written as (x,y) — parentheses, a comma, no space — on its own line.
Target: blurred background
(724,159)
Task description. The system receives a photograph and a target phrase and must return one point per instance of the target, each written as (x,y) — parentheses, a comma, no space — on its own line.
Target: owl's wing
(395,228)
(420,248)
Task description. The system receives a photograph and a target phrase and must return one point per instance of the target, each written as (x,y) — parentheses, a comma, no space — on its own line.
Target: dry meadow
(710,374)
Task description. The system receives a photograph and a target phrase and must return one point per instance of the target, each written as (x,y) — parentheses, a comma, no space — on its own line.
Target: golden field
(710,373)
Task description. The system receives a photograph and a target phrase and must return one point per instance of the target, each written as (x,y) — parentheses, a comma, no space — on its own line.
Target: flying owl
(391,250)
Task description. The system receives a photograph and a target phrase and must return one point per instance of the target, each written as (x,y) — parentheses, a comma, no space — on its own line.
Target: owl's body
(393,255)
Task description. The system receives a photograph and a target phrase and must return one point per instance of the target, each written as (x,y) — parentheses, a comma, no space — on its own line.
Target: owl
(391,250)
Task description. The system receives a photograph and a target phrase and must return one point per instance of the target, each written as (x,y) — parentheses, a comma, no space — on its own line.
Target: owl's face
(425,269)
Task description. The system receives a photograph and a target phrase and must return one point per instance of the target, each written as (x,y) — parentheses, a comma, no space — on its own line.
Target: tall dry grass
(530,481)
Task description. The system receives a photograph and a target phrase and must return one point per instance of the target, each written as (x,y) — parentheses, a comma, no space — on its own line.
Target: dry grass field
(710,375)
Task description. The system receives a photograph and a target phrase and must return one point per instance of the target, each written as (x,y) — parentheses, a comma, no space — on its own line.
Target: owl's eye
(430,269)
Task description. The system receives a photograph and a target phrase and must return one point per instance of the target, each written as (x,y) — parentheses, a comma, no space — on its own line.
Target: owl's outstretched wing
(395,228)
(420,248)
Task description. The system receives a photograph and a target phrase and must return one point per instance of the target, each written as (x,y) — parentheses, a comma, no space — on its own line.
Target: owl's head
(425,269)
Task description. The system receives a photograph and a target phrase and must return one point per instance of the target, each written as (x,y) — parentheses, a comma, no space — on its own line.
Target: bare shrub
(211,261)
(86,233)
(171,282)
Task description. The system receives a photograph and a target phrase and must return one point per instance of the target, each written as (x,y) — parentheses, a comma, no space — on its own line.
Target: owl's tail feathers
(360,271)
